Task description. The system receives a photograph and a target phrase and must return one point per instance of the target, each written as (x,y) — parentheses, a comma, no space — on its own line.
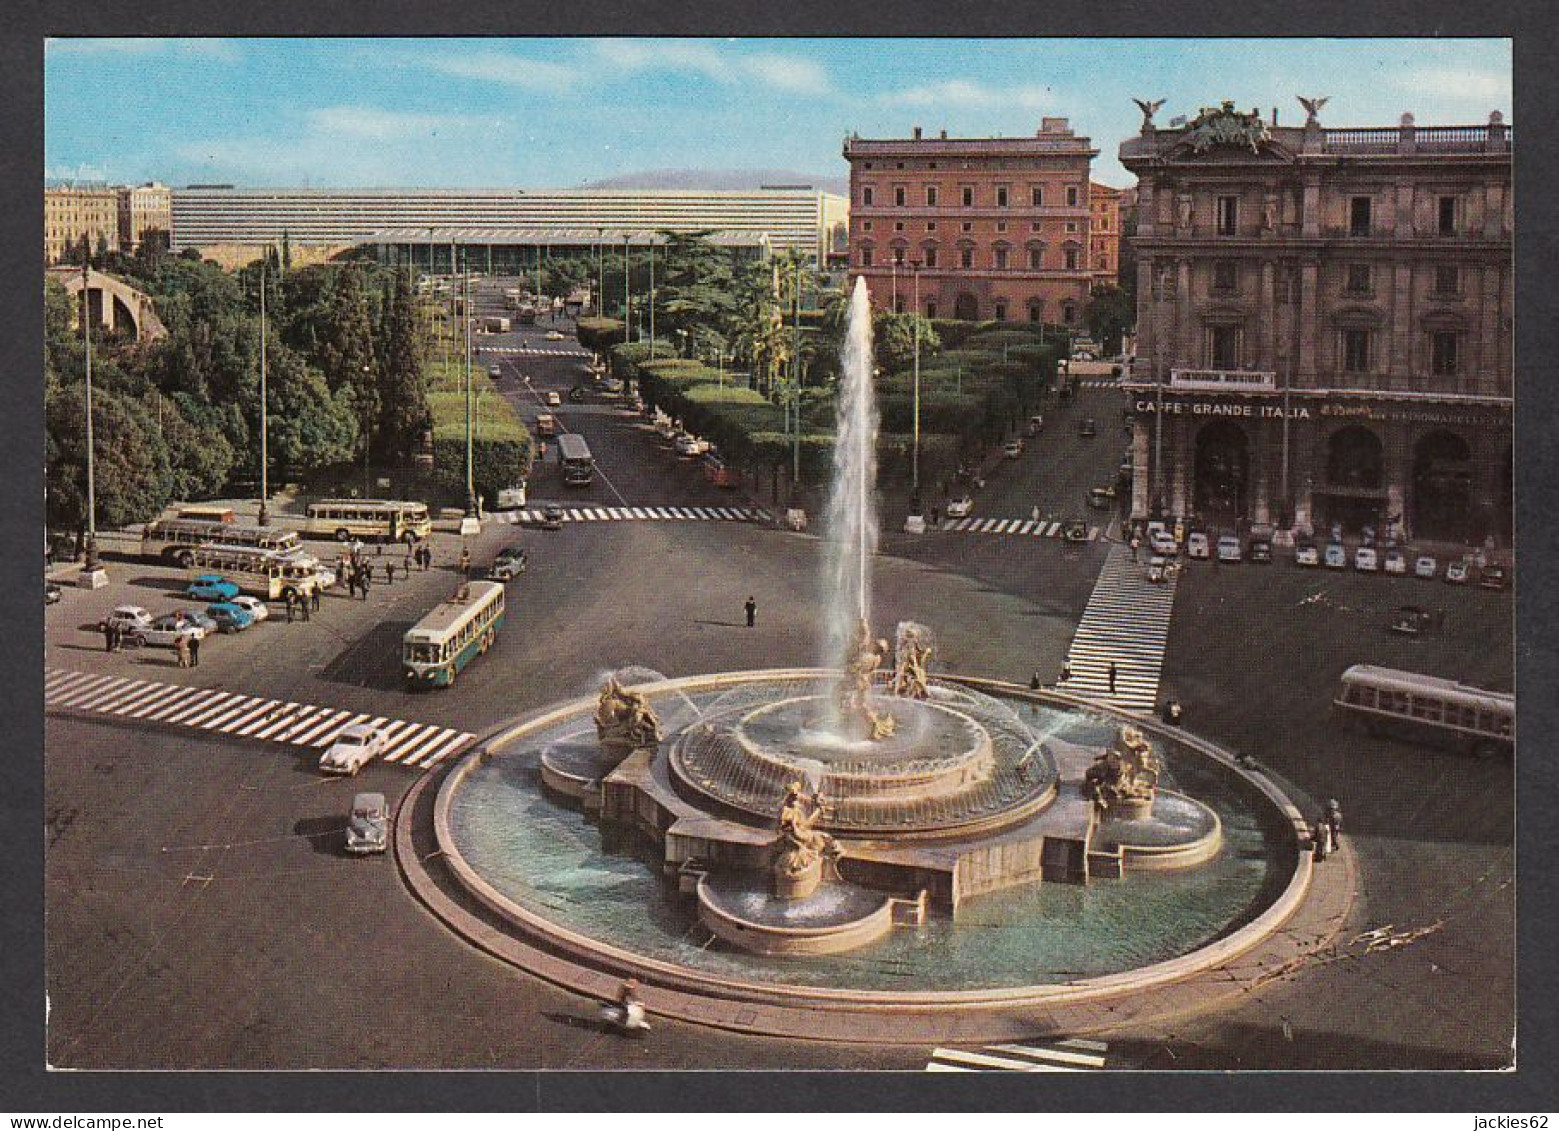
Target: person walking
(465,562)
(1334,820)
(181,649)
(108,635)
(194,651)
(1034,681)
(368,572)
(752,612)
(389,573)
(314,598)
(406,565)
(362,583)
(1034,514)
(291,601)
(424,557)
(303,606)
(1136,544)
(1066,672)
(1110,672)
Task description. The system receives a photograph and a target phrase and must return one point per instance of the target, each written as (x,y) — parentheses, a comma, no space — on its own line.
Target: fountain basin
(835,919)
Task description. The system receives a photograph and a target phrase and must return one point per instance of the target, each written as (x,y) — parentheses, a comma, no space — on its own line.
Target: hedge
(501,446)
(599,334)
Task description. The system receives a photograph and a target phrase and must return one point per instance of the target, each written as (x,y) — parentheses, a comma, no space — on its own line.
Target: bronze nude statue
(804,854)
(866,656)
(1125,776)
(624,720)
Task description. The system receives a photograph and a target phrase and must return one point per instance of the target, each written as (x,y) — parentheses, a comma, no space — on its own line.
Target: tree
(1109,313)
(894,337)
(310,427)
(403,393)
(130,466)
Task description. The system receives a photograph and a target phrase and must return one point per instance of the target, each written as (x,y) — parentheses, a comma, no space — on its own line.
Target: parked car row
(233,613)
(1398,561)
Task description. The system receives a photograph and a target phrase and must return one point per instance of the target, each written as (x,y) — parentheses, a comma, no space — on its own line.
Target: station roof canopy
(552,237)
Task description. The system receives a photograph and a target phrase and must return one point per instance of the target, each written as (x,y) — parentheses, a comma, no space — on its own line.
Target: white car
(324,577)
(1456,572)
(1163,542)
(1394,562)
(368,825)
(554,336)
(1366,560)
(1013,449)
(553,399)
(255,607)
(1426,567)
(1306,554)
(128,618)
(687,446)
(960,507)
(1229,549)
(494,371)
(1197,546)
(353,749)
(165,631)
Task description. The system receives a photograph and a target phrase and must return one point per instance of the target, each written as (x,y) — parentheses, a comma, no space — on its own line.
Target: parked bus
(268,574)
(381,520)
(172,539)
(575,459)
(454,633)
(208,512)
(1412,706)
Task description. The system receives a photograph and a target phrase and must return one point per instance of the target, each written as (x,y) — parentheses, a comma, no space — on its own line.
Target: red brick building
(997,226)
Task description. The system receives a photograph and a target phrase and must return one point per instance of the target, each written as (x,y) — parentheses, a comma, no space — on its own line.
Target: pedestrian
(1334,820)
(1321,838)
(368,572)
(181,649)
(290,601)
(389,573)
(194,651)
(1034,514)
(427,557)
(406,565)
(1034,681)
(936,516)
(1066,672)
(752,612)
(314,597)
(1136,544)
(465,561)
(303,607)
(108,635)
(1111,673)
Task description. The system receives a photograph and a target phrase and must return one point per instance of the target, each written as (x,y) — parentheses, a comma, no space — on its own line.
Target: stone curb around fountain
(1274,944)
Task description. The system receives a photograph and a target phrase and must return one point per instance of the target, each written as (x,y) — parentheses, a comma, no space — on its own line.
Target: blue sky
(552,113)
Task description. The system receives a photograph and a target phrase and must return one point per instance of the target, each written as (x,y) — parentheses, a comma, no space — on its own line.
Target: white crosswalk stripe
(529,517)
(534,351)
(1070,1055)
(1126,623)
(1099,383)
(244,716)
(1046,527)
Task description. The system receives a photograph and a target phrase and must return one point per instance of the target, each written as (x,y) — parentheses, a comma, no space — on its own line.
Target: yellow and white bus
(453,634)
(172,539)
(268,574)
(1421,707)
(374,520)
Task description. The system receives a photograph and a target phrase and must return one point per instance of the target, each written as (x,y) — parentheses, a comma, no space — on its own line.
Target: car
(1084,355)
(211,587)
(1259,552)
(509,563)
(52,593)
(1036,424)
(1366,560)
(368,825)
(1306,554)
(203,621)
(1335,557)
(1162,542)
(613,386)
(1089,427)
(1492,577)
(553,399)
(1229,549)
(257,609)
(1425,567)
(1408,620)
(686,446)
(494,371)
(1012,449)
(960,507)
(1456,572)
(324,576)
(1101,498)
(128,618)
(165,630)
(1394,561)
(1197,546)
(229,617)
(554,336)
(1157,568)
(551,517)
(576,395)
(1075,530)
(354,748)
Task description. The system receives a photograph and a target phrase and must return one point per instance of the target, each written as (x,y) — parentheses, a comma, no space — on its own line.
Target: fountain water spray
(852,511)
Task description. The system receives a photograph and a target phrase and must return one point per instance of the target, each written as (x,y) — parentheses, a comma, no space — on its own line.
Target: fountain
(800,814)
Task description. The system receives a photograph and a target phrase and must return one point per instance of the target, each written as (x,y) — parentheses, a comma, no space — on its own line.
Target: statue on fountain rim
(624,720)
(1125,776)
(912,659)
(855,691)
(805,856)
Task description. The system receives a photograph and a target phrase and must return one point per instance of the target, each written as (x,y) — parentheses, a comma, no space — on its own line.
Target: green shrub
(599,334)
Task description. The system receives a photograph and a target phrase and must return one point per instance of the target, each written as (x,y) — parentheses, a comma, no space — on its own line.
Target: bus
(454,633)
(172,539)
(269,574)
(1442,711)
(575,459)
(209,512)
(382,520)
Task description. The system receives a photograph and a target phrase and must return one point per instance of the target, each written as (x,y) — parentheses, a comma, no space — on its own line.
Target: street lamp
(265,489)
(652,296)
(367,433)
(915,453)
(90,565)
(627,295)
(470,473)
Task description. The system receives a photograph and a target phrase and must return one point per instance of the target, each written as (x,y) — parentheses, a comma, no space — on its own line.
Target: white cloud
(387,125)
(1488,88)
(963,94)
(791,73)
(219,50)
(500,67)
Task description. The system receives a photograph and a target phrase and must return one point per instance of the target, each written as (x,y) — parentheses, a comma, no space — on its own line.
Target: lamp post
(795,384)
(470,473)
(90,565)
(265,487)
(367,435)
(600,270)
(627,294)
(914,474)
(652,297)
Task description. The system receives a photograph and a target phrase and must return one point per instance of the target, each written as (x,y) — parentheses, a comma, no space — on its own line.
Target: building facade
(1324,324)
(1104,232)
(987,228)
(212,217)
(72,213)
(142,209)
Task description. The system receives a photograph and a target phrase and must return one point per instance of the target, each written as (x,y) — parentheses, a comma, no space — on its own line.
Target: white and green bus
(173,539)
(453,634)
(1428,709)
(269,574)
(373,520)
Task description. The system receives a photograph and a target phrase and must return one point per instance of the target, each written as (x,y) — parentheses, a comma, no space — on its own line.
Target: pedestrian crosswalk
(1126,624)
(243,716)
(1070,1055)
(1022,527)
(1099,383)
(537,351)
(644,514)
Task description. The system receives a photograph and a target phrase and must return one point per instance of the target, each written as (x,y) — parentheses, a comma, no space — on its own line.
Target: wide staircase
(1126,623)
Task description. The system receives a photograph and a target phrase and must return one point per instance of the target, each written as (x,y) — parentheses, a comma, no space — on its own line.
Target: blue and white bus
(453,634)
